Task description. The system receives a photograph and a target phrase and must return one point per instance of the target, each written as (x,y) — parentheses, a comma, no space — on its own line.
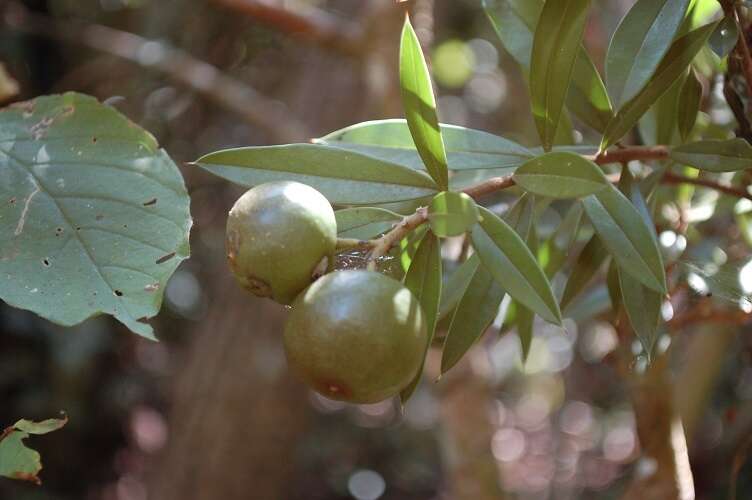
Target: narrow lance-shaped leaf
(95,216)
(452,214)
(724,38)
(420,106)
(674,63)
(423,278)
(515,22)
(364,223)
(344,177)
(560,175)
(455,286)
(629,240)
(506,256)
(588,263)
(473,315)
(660,124)
(689,104)
(556,45)
(467,149)
(558,245)
(639,43)
(524,317)
(642,305)
(715,156)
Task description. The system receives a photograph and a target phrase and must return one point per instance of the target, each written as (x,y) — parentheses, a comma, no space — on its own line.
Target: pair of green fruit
(355,336)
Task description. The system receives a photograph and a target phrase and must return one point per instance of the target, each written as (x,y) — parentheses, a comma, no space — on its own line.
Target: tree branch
(402,229)
(225,91)
(623,155)
(743,48)
(313,24)
(672,178)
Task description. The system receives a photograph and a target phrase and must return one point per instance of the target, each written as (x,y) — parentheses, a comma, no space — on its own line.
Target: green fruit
(356,336)
(277,236)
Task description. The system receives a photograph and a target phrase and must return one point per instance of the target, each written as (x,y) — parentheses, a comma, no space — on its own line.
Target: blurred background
(211,411)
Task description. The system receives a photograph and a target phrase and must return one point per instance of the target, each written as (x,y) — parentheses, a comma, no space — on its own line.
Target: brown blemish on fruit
(258,287)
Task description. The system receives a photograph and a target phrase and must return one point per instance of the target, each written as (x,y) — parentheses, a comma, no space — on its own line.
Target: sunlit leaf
(560,175)
(344,177)
(363,223)
(515,22)
(715,156)
(674,63)
(629,240)
(419,104)
(639,43)
(94,216)
(467,149)
(506,256)
(452,214)
(423,278)
(556,46)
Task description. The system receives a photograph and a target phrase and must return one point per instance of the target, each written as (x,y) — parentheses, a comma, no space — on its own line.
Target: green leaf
(715,156)
(452,214)
(475,312)
(95,216)
(420,106)
(588,263)
(674,63)
(423,278)
(690,98)
(505,255)
(587,97)
(40,428)
(467,149)
(456,285)
(557,246)
(521,218)
(624,232)
(643,307)
(556,46)
(723,40)
(344,177)
(639,43)
(17,461)
(560,175)
(363,223)
(515,22)
(660,124)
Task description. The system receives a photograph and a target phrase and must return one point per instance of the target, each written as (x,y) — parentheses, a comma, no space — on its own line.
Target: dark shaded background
(211,412)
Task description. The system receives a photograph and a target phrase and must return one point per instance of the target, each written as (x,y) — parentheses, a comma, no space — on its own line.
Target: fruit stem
(400,230)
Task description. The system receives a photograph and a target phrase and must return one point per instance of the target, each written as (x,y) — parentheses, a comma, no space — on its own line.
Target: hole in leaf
(46,262)
(153,201)
(118,293)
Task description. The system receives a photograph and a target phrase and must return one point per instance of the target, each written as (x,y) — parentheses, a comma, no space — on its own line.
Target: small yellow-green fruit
(356,336)
(277,235)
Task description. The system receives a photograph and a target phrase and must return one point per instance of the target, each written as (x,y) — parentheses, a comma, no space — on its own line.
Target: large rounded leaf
(94,216)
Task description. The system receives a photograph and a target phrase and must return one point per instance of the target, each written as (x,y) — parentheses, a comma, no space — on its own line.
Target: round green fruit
(278,235)
(356,336)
